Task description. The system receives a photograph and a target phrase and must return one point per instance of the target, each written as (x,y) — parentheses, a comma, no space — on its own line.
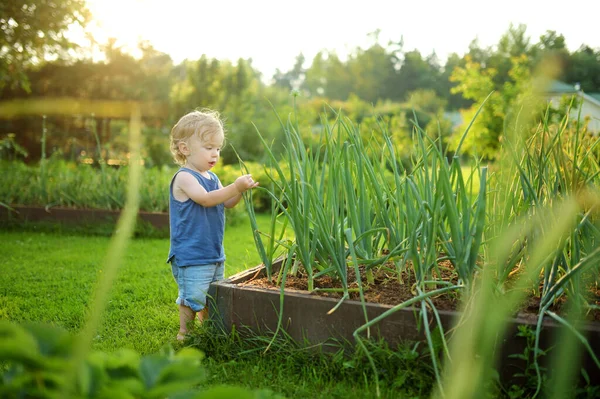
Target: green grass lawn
(48,276)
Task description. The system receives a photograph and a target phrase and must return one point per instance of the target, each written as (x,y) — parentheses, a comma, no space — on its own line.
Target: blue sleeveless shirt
(196,231)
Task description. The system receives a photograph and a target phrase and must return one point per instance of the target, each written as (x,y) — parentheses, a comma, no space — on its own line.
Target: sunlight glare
(272,33)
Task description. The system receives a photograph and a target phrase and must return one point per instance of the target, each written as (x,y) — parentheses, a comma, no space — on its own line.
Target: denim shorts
(193,283)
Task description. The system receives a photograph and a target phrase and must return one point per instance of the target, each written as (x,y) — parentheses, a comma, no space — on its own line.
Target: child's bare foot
(181,336)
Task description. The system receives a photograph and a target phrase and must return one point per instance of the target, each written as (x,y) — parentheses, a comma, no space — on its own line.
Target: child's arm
(233,201)
(189,186)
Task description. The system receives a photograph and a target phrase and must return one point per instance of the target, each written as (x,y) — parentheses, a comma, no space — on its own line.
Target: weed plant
(333,372)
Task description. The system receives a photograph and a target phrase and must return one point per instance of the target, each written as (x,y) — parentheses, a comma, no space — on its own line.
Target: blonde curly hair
(206,124)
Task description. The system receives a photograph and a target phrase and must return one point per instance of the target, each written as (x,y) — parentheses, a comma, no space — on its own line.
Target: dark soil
(387,289)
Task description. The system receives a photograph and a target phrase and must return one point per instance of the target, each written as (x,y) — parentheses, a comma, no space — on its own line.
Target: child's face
(203,155)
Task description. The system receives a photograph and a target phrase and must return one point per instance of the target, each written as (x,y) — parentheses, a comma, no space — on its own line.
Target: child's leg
(186,316)
(193,285)
(202,315)
(218,273)
(202,277)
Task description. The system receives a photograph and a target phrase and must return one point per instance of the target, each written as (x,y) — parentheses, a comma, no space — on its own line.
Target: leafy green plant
(11,150)
(529,374)
(37,359)
(83,186)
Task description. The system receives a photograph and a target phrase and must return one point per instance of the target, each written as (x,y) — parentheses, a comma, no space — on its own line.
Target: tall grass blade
(116,250)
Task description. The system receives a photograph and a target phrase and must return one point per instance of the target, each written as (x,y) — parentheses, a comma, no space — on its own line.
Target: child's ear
(183,148)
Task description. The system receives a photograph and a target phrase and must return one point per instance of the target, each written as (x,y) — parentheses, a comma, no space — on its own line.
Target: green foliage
(10,150)
(417,73)
(32,29)
(377,74)
(584,69)
(36,361)
(290,80)
(67,184)
(383,215)
(236,91)
(157,154)
(334,370)
(380,202)
(478,84)
(528,377)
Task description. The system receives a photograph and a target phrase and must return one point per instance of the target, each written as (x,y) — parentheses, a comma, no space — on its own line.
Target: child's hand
(244,183)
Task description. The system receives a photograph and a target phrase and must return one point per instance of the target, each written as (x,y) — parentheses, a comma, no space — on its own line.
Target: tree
(476,82)
(478,54)
(320,80)
(338,78)
(416,73)
(551,48)
(584,68)
(455,100)
(371,72)
(292,79)
(32,30)
(513,43)
(119,76)
(315,81)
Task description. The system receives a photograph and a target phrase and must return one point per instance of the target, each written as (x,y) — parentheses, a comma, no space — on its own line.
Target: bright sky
(274,32)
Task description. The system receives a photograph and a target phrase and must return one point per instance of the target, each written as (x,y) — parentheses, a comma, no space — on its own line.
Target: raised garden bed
(307,319)
(72,215)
